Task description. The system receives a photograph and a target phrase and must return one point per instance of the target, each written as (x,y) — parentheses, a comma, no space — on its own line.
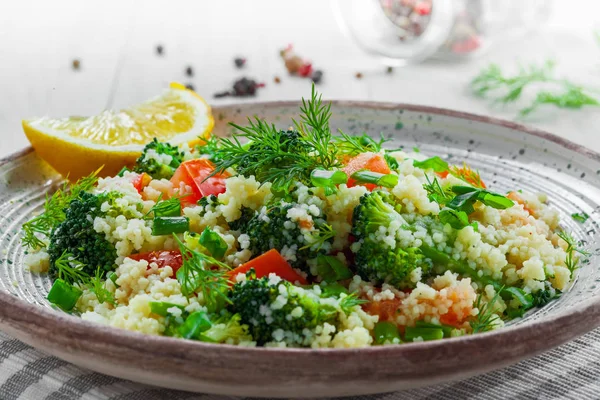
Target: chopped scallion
(331,269)
(169,225)
(385,180)
(386,333)
(410,333)
(161,307)
(214,243)
(196,323)
(64,295)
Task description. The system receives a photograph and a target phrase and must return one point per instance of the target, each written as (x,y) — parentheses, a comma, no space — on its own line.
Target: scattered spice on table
(317,76)
(492,83)
(189,71)
(76,64)
(358,75)
(243,87)
(296,65)
(411,16)
(189,86)
(277,79)
(239,62)
(389,70)
(160,50)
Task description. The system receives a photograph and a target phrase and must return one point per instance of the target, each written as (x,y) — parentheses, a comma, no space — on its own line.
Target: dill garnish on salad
(301,237)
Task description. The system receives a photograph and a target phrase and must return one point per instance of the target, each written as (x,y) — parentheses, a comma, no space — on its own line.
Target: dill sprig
(197,273)
(435,192)
(352,145)
(485,320)
(70,270)
(39,228)
(97,286)
(508,89)
(350,301)
(572,260)
(279,157)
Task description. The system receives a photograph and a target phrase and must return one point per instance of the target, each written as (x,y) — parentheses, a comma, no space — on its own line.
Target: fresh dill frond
(352,145)
(348,303)
(573,248)
(314,127)
(70,270)
(491,82)
(281,157)
(39,228)
(485,320)
(436,193)
(198,272)
(97,286)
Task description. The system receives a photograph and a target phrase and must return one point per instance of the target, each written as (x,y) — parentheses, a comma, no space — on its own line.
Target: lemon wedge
(77,146)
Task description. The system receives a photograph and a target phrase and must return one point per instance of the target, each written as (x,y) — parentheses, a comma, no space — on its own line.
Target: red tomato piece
(141,181)
(386,309)
(366,161)
(195,173)
(270,262)
(162,258)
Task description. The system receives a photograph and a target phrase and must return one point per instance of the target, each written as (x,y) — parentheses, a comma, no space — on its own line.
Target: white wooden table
(116,44)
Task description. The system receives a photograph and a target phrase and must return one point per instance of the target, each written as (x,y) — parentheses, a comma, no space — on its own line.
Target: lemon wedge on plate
(77,146)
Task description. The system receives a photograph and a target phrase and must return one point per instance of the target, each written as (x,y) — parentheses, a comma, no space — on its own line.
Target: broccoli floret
(273,229)
(276,310)
(159,160)
(375,210)
(226,327)
(241,224)
(376,260)
(76,236)
(379,263)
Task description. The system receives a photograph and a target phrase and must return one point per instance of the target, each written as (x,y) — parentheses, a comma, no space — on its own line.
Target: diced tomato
(162,258)
(195,173)
(386,309)
(443,174)
(141,181)
(267,263)
(366,161)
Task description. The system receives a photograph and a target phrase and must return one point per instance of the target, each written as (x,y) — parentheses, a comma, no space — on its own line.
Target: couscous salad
(300,238)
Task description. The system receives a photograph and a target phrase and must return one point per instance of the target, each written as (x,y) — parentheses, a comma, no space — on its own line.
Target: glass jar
(408,31)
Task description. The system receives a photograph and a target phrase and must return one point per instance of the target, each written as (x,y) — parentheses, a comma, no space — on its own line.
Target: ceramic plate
(509,156)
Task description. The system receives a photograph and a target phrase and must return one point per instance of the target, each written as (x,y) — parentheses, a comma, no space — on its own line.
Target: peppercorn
(189,71)
(359,75)
(159,50)
(389,70)
(305,70)
(189,86)
(239,62)
(241,88)
(277,79)
(317,76)
(293,64)
(76,64)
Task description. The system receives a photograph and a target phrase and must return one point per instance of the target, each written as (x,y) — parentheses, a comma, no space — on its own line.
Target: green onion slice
(64,295)
(327,179)
(169,225)
(214,243)
(410,333)
(385,180)
(386,332)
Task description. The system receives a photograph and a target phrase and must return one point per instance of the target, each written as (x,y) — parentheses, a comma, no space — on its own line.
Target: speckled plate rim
(26,321)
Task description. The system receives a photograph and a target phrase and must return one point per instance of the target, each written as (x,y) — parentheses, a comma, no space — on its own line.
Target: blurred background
(61,58)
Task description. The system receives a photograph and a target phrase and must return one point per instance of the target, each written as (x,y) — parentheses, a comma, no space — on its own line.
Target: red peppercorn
(423,8)
(305,70)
